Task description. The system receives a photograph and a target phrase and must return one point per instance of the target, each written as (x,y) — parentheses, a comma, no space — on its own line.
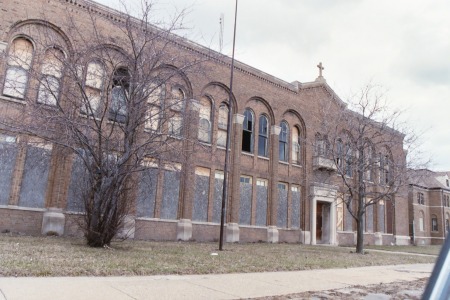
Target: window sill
(12,99)
(297,165)
(176,137)
(247,153)
(263,157)
(284,163)
(206,144)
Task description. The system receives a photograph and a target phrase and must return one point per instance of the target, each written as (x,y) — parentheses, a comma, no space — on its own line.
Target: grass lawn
(56,256)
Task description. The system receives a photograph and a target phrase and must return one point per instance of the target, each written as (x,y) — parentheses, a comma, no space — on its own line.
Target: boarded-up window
(35,177)
(200,209)
(381,216)
(171,193)
(146,197)
(261,202)
(8,154)
(282,205)
(295,216)
(245,208)
(369,217)
(218,192)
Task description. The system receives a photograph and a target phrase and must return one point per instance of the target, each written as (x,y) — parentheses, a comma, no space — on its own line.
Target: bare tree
(112,93)
(367,146)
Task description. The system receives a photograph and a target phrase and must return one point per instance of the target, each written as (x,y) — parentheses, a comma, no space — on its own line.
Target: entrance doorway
(323,222)
(319,222)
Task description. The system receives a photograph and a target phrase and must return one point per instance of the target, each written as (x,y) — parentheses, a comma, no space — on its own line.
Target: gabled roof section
(429,179)
(320,82)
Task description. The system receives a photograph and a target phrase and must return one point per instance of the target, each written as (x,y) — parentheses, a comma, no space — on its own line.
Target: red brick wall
(21,221)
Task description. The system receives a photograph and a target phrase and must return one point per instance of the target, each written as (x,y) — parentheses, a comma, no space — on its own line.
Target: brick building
(283,186)
(429,207)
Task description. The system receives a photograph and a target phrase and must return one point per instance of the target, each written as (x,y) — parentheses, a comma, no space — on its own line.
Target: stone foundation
(53,222)
(272,234)
(184,230)
(232,233)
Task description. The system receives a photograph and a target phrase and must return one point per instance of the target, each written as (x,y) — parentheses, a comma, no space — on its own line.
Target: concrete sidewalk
(225,286)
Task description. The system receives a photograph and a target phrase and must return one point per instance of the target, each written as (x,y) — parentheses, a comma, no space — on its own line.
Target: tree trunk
(359,235)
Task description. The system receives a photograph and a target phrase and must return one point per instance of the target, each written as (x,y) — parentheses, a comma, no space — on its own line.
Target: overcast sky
(402,45)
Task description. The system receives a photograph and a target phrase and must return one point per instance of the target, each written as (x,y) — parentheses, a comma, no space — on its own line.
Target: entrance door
(319,222)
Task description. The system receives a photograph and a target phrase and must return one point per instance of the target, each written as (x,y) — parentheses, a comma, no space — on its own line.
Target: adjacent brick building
(429,207)
(277,189)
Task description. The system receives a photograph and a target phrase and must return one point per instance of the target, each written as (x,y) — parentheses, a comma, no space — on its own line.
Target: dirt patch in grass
(429,250)
(412,290)
(57,256)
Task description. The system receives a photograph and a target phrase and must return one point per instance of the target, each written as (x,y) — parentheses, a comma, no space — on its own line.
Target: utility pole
(227,146)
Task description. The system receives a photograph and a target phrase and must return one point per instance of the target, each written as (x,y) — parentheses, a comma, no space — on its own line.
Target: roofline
(118,16)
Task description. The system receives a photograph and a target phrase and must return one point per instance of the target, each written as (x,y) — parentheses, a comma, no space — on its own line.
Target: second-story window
(296,148)
(155,100)
(95,77)
(263,136)
(420,198)
(119,96)
(19,61)
(283,142)
(348,160)
(176,105)
(204,123)
(247,132)
(222,125)
(50,81)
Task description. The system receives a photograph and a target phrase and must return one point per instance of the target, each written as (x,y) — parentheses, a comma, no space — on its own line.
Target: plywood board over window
(200,209)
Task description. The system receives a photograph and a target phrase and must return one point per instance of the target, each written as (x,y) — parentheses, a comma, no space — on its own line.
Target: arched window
(296,146)
(385,169)
(95,77)
(222,125)
(119,96)
(50,82)
(177,103)
(348,160)
(283,142)
(263,136)
(339,154)
(156,95)
(19,61)
(204,123)
(368,161)
(434,223)
(421,221)
(247,134)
